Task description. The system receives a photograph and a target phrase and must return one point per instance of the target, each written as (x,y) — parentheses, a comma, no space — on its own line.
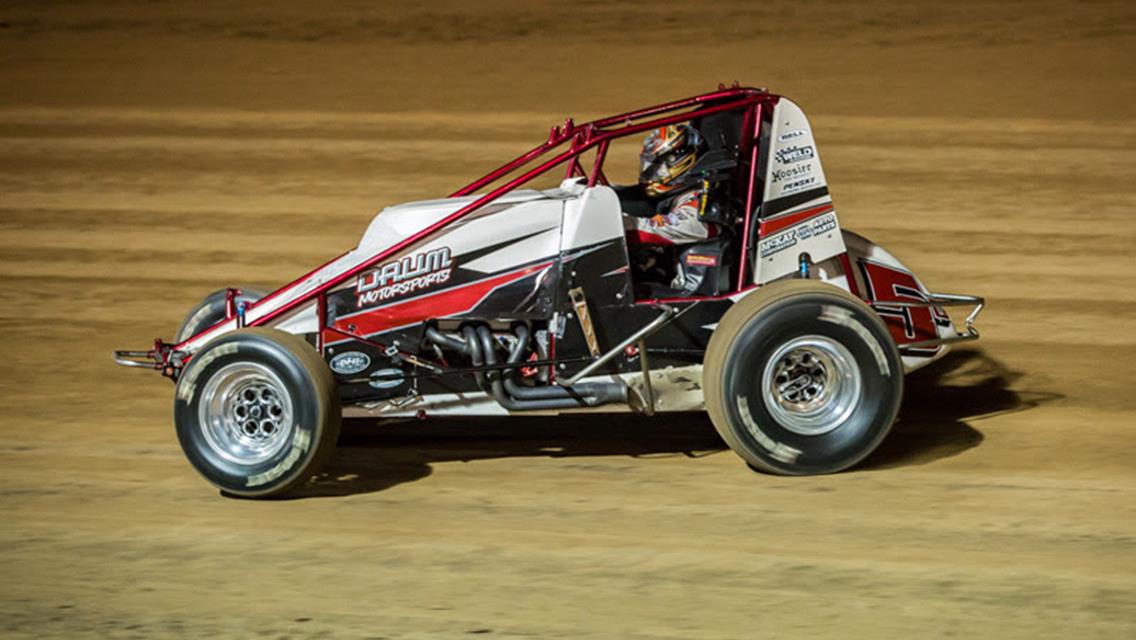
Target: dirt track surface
(151,153)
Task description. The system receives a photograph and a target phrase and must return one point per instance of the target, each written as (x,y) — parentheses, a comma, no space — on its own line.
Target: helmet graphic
(668,153)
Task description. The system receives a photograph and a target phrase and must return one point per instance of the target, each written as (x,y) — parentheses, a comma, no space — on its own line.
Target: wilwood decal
(386,378)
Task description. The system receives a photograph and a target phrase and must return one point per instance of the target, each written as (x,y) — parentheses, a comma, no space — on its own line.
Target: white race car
(500,300)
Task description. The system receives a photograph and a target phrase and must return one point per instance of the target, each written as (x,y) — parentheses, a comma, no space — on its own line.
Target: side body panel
(390,226)
(500,265)
(879,277)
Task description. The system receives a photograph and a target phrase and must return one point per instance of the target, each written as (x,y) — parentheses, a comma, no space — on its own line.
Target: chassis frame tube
(593,137)
(666,316)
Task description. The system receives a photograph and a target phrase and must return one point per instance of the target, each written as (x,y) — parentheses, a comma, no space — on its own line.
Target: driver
(674,204)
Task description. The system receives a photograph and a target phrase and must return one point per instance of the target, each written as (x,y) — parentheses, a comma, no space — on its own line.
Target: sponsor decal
(386,378)
(791,135)
(350,362)
(407,274)
(804,231)
(799,171)
(823,225)
(696,260)
(778,243)
(793,154)
(800,184)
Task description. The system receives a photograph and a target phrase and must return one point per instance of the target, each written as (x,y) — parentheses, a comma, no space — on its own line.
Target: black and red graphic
(451,301)
(907,324)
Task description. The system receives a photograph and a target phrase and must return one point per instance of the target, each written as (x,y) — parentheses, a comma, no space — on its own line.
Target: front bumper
(161,358)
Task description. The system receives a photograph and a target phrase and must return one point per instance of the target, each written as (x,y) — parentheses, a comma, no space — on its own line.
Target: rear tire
(211,310)
(802,378)
(257,412)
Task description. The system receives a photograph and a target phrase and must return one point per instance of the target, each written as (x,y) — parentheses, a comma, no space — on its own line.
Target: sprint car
(503,300)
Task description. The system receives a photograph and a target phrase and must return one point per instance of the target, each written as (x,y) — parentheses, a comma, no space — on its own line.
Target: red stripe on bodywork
(777,224)
(445,303)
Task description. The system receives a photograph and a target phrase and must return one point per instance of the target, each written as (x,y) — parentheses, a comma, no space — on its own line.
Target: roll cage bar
(579,139)
(582,138)
(599,133)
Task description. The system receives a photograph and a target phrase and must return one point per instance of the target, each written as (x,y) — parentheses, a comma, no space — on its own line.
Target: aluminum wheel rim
(244,414)
(811,385)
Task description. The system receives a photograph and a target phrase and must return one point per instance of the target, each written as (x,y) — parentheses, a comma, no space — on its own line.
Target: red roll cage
(579,138)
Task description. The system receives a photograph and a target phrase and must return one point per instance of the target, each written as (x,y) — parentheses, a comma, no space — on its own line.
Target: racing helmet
(668,153)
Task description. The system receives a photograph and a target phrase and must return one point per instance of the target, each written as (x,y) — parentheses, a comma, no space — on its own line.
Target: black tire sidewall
(211,310)
(764,441)
(288,466)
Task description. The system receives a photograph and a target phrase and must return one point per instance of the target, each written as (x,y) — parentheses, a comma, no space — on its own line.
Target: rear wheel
(257,412)
(802,378)
(211,310)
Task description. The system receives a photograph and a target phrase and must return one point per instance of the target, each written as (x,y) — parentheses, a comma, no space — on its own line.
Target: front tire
(802,378)
(257,412)
(211,310)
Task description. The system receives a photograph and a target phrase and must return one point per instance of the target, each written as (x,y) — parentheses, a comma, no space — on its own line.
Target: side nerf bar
(941,300)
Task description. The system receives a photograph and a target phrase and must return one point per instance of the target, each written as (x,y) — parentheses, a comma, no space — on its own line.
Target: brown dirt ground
(153,151)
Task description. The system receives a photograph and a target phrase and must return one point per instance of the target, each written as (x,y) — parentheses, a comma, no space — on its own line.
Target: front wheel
(802,378)
(211,310)
(257,412)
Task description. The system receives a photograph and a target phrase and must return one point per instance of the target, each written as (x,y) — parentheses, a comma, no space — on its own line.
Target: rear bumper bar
(941,300)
